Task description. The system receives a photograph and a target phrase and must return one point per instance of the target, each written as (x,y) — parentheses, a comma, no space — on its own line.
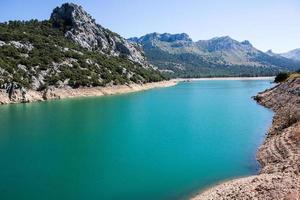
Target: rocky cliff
(279,156)
(80,27)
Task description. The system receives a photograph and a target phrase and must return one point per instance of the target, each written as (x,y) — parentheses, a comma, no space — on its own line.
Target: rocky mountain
(271,53)
(179,55)
(294,54)
(68,50)
(80,27)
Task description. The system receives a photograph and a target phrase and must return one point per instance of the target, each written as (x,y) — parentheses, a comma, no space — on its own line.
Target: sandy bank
(67,92)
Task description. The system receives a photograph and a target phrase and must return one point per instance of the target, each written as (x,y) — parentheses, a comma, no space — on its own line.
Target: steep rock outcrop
(80,27)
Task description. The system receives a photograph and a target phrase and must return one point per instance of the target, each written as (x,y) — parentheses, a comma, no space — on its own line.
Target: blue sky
(267,24)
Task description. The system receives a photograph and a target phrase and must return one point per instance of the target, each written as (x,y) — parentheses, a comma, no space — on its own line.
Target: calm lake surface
(159,144)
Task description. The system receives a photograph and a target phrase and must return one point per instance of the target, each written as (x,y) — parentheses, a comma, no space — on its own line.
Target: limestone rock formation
(80,27)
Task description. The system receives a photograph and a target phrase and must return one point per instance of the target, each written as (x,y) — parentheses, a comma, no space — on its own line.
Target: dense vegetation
(283,76)
(34,50)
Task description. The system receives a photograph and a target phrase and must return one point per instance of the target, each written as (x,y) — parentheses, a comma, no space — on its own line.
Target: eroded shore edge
(29,96)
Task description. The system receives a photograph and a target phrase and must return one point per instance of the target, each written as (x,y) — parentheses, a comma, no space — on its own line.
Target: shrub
(281,77)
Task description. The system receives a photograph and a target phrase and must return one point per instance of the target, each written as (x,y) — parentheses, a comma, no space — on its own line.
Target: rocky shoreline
(20,95)
(28,96)
(279,156)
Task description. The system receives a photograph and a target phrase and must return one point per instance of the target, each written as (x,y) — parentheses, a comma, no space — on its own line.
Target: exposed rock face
(80,27)
(15,94)
(279,156)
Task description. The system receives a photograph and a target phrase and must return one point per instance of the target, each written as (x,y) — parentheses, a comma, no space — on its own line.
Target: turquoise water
(159,144)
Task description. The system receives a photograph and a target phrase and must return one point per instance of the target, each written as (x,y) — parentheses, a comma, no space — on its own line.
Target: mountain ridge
(219,56)
(293,54)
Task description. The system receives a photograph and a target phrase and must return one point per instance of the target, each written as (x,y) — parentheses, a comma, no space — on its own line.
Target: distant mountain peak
(175,37)
(247,43)
(293,54)
(222,38)
(229,40)
(270,52)
(165,37)
(223,43)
